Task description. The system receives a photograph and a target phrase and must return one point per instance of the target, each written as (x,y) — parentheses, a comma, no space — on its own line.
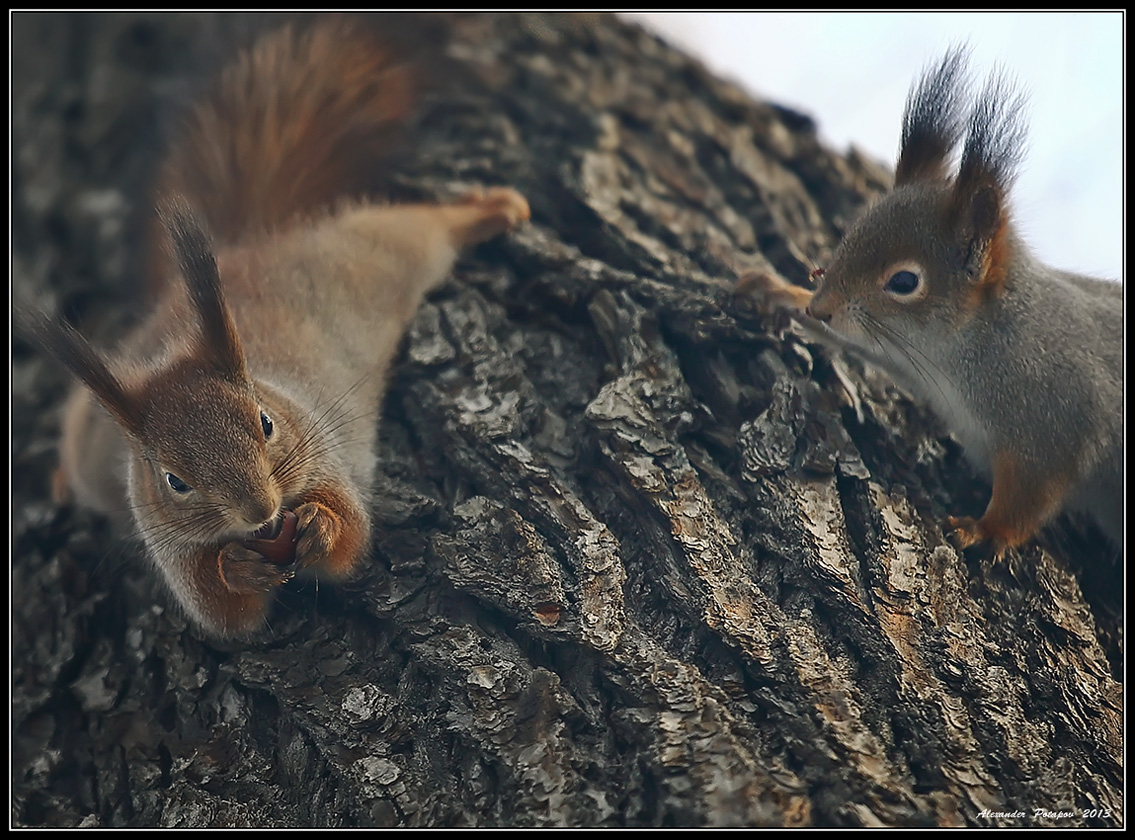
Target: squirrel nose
(819,316)
(263,509)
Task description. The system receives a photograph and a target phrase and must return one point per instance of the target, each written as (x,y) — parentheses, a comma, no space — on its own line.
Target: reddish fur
(296,123)
(273,141)
(1022,502)
(337,524)
(231,611)
(61,487)
(997,259)
(995,268)
(774,291)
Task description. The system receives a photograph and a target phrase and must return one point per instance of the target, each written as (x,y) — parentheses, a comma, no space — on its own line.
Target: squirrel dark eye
(903,283)
(266,425)
(176,484)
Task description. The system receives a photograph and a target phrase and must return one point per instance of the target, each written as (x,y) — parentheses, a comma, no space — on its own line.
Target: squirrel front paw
(327,541)
(772,292)
(247,572)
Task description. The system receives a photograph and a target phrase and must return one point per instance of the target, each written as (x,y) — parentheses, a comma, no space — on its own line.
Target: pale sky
(851,73)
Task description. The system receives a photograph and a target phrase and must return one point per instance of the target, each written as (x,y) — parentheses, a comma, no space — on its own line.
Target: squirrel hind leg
(481,215)
(1023,500)
(61,486)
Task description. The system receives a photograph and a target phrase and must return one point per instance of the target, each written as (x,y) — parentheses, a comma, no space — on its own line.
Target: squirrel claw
(965,531)
(495,211)
(771,292)
(248,572)
(317,531)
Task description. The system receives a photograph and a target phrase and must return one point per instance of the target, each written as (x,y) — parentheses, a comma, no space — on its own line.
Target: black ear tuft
(994,141)
(977,208)
(933,120)
(62,341)
(193,251)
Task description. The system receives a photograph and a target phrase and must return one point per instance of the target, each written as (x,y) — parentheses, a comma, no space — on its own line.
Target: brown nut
(282,548)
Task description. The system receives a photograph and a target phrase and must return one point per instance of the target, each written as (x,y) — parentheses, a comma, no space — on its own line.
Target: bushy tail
(302,118)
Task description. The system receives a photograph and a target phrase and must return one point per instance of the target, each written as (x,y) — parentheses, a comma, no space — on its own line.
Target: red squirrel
(237,423)
(932,284)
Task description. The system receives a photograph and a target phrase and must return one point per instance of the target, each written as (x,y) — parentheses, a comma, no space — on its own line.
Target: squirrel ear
(977,206)
(933,120)
(985,213)
(62,341)
(982,226)
(220,344)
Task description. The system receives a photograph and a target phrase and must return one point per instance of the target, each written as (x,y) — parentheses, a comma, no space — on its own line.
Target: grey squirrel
(1023,362)
(237,423)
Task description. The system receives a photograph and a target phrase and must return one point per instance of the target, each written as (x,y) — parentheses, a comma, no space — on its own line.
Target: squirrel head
(199,430)
(926,257)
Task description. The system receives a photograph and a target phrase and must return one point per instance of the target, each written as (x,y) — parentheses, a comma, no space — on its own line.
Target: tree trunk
(643,555)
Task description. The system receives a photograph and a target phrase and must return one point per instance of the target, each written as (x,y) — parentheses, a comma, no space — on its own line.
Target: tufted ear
(977,208)
(933,121)
(62,341)
(220,345)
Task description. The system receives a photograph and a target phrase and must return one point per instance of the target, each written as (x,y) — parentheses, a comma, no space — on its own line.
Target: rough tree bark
(643,556)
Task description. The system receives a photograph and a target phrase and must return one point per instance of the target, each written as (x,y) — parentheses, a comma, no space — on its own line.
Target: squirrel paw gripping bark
(772,291)
(965,531)
(931,284)
(480,215)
